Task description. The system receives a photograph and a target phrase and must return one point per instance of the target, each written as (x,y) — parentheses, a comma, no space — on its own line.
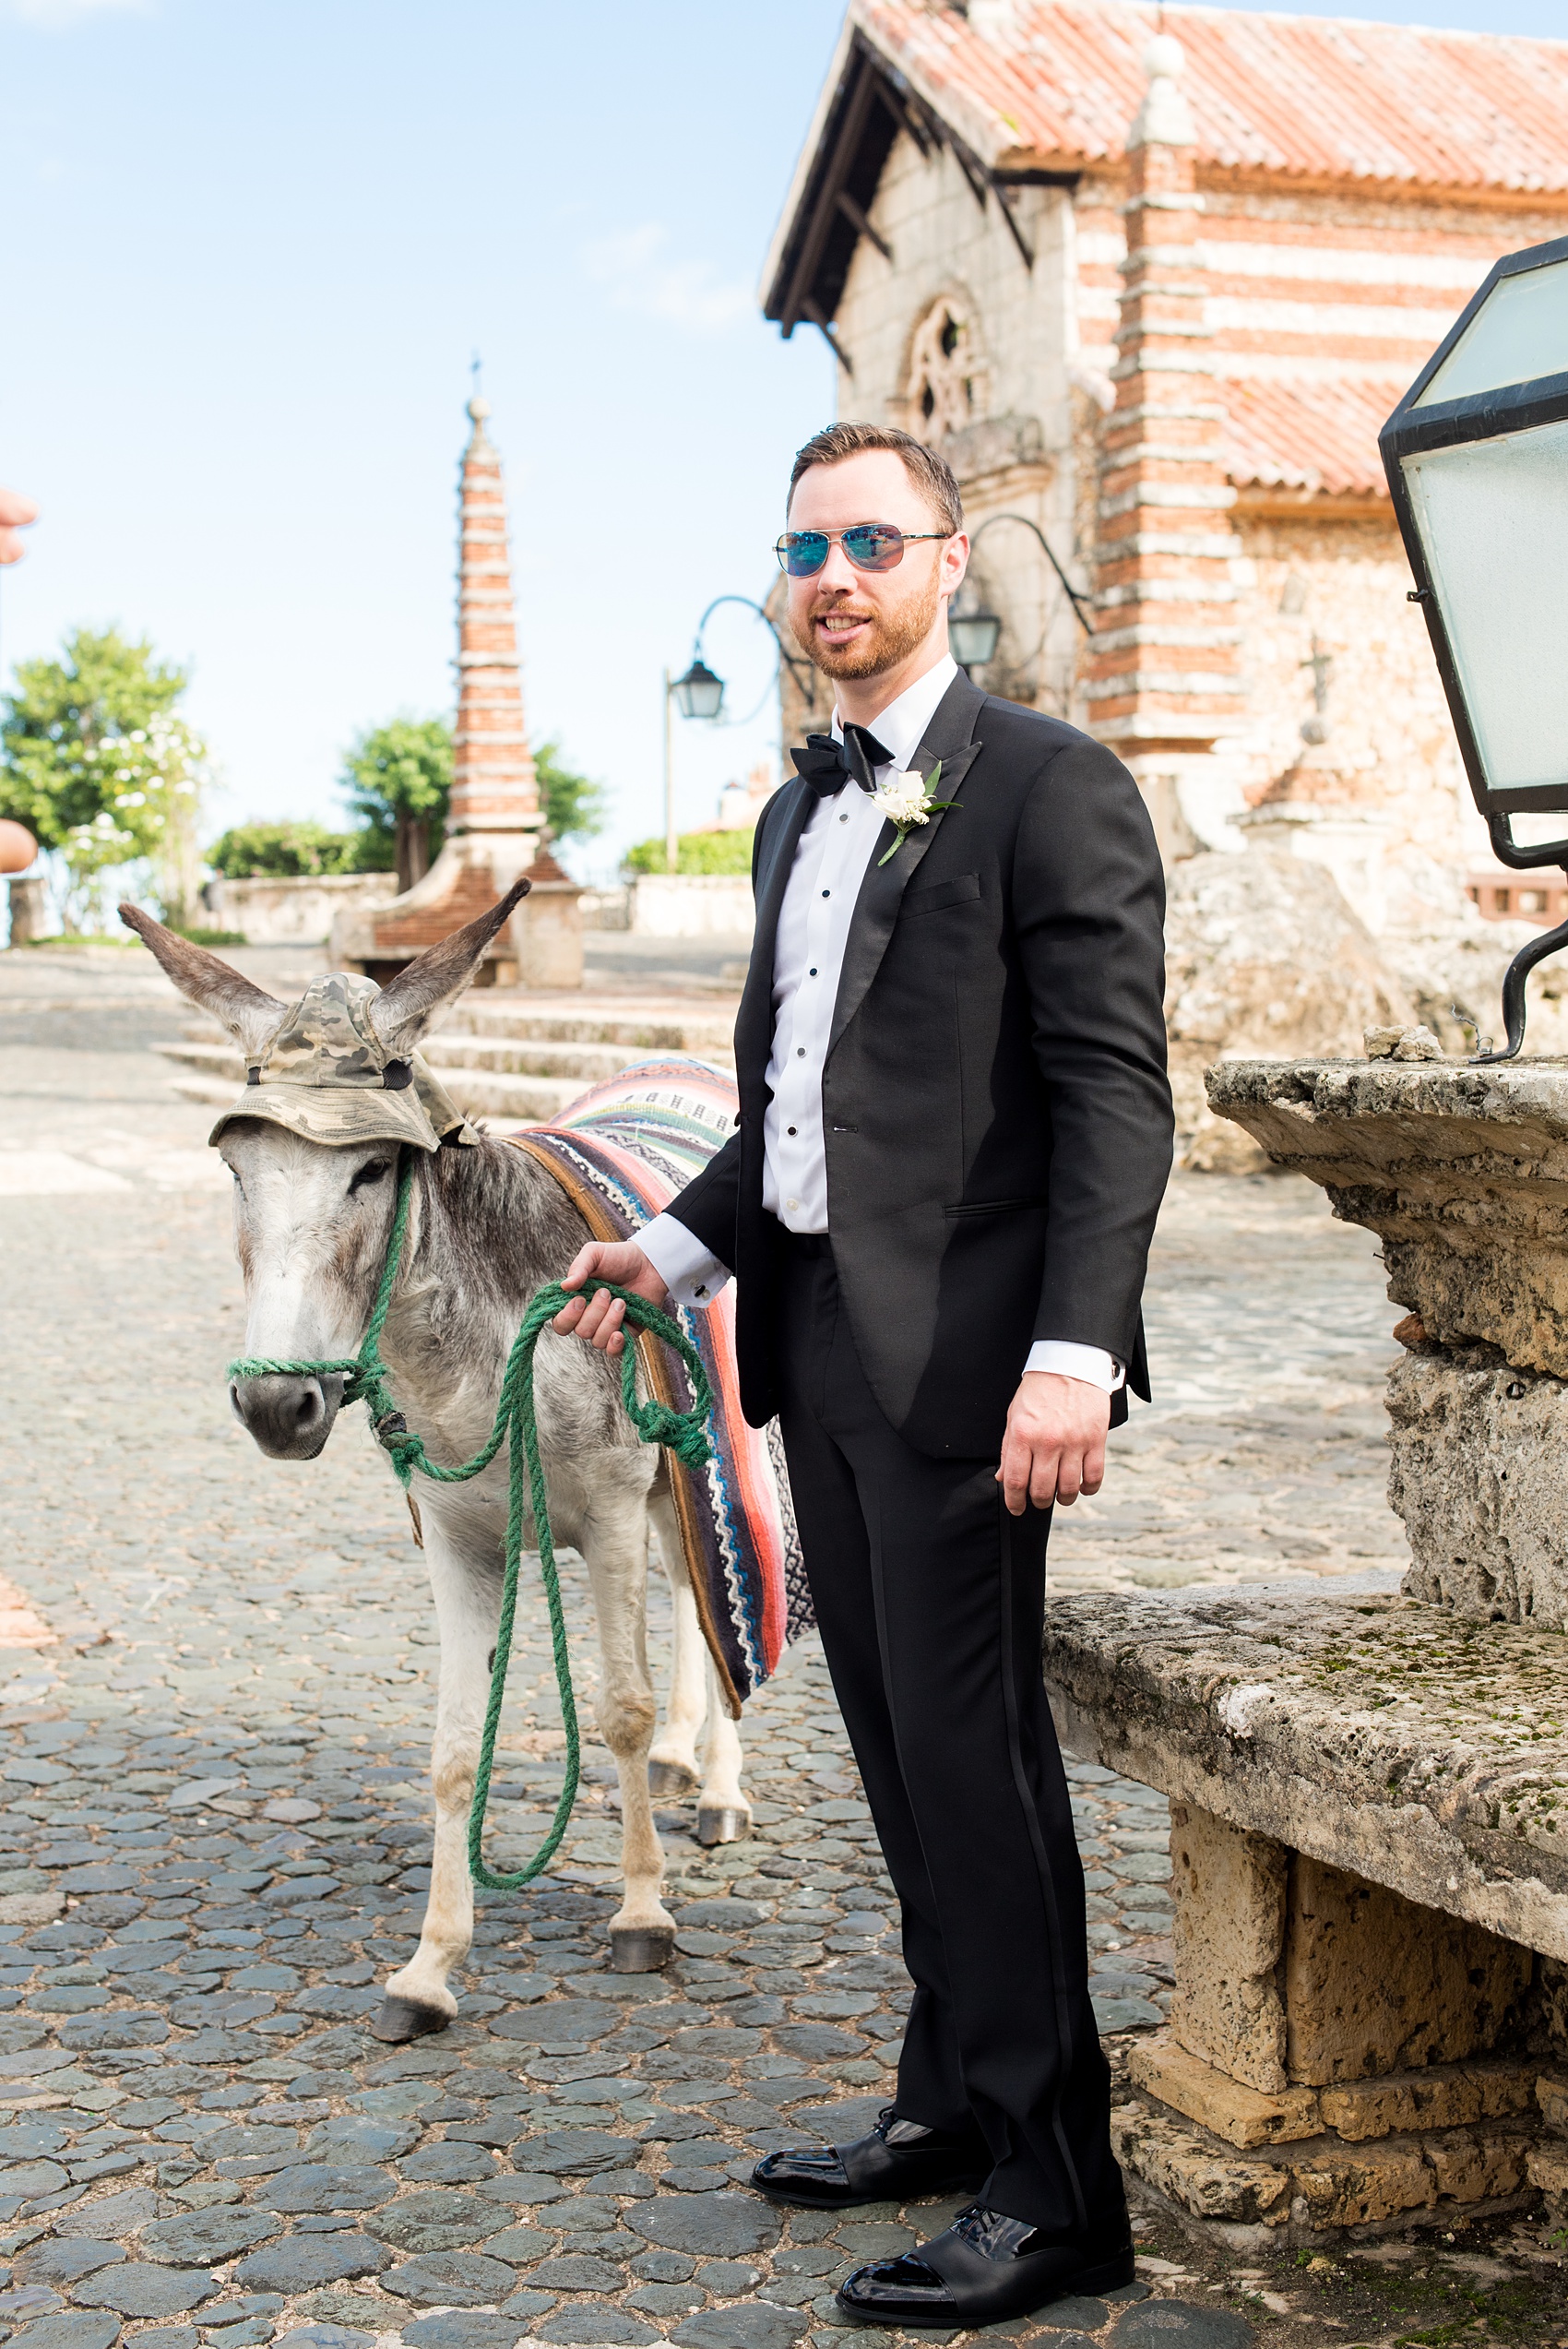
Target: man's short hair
(930,474)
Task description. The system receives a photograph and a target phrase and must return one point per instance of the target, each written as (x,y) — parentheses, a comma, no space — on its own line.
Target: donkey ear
(406,1005)
(251,1016)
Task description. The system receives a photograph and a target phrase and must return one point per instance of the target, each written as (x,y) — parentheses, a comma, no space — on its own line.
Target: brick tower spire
(1160,673)
(494,828)
(492,787)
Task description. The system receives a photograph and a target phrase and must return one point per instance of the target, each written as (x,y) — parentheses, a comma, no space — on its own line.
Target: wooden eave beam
(861,91)
(863,226)
(870,79)
(813,314)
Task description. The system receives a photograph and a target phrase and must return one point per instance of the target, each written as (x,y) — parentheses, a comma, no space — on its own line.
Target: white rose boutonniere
(906,799)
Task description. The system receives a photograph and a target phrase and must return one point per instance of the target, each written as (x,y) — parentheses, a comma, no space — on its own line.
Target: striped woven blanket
(621,1152)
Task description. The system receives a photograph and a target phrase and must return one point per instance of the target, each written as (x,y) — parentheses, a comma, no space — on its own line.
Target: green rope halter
(683,1432)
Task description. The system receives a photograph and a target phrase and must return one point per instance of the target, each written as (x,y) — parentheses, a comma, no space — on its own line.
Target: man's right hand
(599,1319)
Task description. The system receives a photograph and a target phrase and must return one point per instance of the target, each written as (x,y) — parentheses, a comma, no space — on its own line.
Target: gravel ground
(213,1737)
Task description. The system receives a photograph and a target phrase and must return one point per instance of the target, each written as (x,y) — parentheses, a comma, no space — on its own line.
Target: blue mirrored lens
(873,546)
(804,552)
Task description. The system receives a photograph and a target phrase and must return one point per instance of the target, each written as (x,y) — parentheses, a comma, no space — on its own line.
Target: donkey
(488,1227)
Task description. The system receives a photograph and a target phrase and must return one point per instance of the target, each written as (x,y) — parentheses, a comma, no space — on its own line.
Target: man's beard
(890,638)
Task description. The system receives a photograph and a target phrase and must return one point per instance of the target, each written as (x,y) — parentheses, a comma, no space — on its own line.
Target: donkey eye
(370,1173)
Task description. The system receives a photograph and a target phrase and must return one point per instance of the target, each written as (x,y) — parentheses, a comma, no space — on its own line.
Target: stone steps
(671,1029)
(500,1060)
(481,1093)
(524,1055)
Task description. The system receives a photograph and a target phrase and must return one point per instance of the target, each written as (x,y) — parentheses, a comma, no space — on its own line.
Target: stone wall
(691,905)
(295,913)
(1389,763)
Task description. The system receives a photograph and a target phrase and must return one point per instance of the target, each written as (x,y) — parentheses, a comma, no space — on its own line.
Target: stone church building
(1153,278)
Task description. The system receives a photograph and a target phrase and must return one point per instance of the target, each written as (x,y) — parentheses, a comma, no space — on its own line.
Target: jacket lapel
(950,738)
(753,1022)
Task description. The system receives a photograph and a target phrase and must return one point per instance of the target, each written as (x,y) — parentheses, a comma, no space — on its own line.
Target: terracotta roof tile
(1319,98)
(1307,436)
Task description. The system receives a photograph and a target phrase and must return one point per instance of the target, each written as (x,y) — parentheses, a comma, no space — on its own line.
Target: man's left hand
(1054,1448)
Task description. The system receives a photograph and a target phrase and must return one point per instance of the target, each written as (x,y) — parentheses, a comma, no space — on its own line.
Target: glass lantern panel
(1493,522)
(1519,334)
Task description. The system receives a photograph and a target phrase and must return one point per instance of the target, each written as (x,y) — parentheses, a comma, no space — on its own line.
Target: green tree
(399,780)
(696,852)
(95,761)
(286,852)
(573,806)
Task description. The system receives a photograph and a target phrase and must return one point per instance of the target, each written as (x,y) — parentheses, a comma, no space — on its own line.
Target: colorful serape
(622,1151)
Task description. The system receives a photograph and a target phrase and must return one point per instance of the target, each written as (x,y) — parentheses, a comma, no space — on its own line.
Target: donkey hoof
(723,1824)
(641,1949)
(667,1778)
(399,2019)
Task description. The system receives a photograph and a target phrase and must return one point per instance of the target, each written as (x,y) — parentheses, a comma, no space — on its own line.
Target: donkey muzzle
(291,1418)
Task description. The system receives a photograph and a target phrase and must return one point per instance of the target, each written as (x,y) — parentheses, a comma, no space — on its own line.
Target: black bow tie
(827,765)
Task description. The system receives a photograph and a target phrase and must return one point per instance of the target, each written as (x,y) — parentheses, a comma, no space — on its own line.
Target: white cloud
(59,16)
(632,268)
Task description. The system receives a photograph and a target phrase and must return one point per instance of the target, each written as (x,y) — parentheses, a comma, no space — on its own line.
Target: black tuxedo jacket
(995,1110)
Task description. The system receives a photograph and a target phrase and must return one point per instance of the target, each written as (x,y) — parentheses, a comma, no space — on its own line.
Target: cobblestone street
(216,1693)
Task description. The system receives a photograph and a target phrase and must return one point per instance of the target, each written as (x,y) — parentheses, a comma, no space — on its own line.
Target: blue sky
(250,247)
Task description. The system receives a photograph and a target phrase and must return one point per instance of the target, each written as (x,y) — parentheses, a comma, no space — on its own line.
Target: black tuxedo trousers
(929,1598)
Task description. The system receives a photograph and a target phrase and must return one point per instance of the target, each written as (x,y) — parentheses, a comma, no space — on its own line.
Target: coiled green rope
(366,1377)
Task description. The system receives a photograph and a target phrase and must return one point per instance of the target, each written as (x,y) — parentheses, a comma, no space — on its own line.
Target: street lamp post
(801,671)
(698,694)
(972,636)
(1477,459)
(672,845)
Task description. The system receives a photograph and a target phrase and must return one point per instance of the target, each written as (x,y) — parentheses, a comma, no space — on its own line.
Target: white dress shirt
(814,929)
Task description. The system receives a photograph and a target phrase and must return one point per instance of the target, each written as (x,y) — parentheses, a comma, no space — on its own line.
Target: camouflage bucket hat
(327,1075)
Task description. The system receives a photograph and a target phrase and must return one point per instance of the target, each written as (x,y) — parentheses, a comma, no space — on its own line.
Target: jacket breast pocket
(962,889)
(995,1207)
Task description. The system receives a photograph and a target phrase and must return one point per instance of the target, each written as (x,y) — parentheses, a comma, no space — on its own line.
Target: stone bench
(1370,1874)
(1369,1787)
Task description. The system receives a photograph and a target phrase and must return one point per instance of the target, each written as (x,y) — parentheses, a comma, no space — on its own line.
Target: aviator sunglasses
(871,547)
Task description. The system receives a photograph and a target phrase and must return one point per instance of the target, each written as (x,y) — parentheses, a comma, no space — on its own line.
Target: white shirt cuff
(692,1277)
(1091,1364)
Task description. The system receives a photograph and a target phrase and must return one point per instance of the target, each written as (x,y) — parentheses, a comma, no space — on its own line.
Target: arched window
(947,376)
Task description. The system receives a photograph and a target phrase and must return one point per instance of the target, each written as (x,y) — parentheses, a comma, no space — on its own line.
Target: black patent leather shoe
(897,2162)
(985,2268)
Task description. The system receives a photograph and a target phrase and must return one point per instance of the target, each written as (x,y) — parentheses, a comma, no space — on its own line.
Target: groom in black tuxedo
(955,1131)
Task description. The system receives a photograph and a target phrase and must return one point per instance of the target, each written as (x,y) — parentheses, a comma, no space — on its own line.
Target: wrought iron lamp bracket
(1520,859)
(801,671)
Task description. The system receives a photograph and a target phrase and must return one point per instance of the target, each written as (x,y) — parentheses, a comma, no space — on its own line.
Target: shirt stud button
(812,972)
(828,893)
(789,1129)
(799,1052)
(793,1205)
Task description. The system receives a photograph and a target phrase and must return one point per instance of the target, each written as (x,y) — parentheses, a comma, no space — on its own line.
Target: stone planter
(1463,1173)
